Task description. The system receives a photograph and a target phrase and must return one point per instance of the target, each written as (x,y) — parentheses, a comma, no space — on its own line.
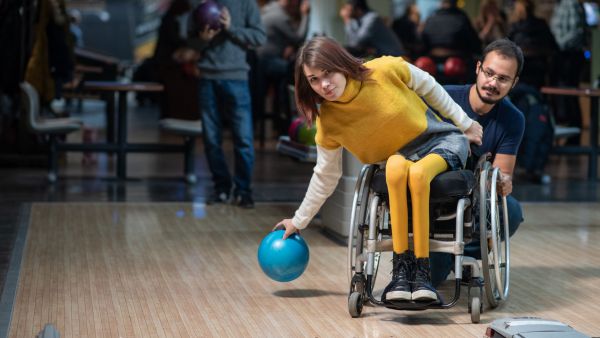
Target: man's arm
(506,164)
(251,32)
(294,36)
(361,35)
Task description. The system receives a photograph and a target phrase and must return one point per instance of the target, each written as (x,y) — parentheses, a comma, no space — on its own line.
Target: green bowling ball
(306,134)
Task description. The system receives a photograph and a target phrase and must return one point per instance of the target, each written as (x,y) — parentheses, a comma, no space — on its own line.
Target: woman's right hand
(288,226)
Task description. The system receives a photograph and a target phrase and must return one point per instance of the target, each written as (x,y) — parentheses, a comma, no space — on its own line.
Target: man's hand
(225,18)
(208,34)
(474,133)
(288,226)
(505,184)
(506,164)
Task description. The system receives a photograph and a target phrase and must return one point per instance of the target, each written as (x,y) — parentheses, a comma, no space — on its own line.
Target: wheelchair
(456,199)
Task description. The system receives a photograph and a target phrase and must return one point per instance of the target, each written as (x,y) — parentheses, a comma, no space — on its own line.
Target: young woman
(375,111)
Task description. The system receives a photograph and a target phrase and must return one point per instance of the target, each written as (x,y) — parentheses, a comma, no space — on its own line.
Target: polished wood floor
(190,270)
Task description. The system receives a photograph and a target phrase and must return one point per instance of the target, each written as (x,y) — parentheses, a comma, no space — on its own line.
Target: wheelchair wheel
(493,220)
(364,211)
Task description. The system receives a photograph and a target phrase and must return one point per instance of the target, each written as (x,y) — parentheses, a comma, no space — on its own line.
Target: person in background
(75,27)
(223,93)
(491,22)
(407,28)
(175,65)
(569,26)
(533,36)
(285,33)
(366,33)
(449,32)
(286,24)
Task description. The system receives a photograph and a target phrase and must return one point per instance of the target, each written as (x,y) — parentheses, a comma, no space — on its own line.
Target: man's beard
(486,100)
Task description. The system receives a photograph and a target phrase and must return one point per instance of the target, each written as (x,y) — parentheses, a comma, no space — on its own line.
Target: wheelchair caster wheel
(358,284)
(355,304)
(475,309)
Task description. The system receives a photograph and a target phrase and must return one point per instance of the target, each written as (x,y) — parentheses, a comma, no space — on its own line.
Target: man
(366,33)
(569,26)
(533,35)
(286,24)
(449,32)
(224,92)
(503,126)
(285,33)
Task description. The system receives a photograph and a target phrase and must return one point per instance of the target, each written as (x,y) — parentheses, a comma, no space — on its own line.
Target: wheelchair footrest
(412,305)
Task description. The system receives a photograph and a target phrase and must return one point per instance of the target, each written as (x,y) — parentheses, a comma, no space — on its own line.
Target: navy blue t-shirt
(503,126)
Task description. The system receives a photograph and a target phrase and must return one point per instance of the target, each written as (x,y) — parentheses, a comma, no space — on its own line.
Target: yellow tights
(401,173)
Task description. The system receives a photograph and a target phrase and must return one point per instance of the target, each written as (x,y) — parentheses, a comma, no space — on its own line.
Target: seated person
(286,23)
(449,32)
(534,37)
(406,28)
(503,126)
(350,103)
(366,33)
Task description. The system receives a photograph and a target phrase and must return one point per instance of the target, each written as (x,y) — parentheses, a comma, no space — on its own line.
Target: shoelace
(397,267)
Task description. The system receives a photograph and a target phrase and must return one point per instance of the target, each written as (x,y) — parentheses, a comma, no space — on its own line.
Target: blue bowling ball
(283,260)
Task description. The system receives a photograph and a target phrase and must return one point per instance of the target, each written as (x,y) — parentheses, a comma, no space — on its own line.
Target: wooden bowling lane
(186,270)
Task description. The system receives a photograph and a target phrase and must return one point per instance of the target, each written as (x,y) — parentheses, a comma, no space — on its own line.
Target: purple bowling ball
(208,13)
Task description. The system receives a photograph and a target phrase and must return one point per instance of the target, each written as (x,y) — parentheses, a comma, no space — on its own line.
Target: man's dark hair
(360,4)
(507,48)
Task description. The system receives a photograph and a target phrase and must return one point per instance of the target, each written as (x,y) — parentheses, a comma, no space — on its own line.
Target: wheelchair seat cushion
(445,186)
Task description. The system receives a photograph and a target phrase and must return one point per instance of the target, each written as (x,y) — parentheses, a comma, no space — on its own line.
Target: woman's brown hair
(323,53)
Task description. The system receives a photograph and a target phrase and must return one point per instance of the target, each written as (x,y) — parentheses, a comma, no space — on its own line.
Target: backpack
(539,130)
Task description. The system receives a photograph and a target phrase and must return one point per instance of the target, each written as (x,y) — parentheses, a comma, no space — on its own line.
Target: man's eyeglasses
(490,75)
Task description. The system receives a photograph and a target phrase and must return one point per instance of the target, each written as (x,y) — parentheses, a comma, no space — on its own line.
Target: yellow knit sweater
(375,118)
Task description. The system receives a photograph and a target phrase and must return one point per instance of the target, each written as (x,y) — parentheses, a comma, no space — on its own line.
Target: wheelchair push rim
(358,213)
(495,253)
(363,261)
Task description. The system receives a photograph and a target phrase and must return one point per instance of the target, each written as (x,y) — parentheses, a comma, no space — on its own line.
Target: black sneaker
(422,290)
(244,201)
(399,288)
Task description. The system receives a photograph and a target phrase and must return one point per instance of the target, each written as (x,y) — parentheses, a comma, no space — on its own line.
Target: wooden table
(592,149)
(121,146)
